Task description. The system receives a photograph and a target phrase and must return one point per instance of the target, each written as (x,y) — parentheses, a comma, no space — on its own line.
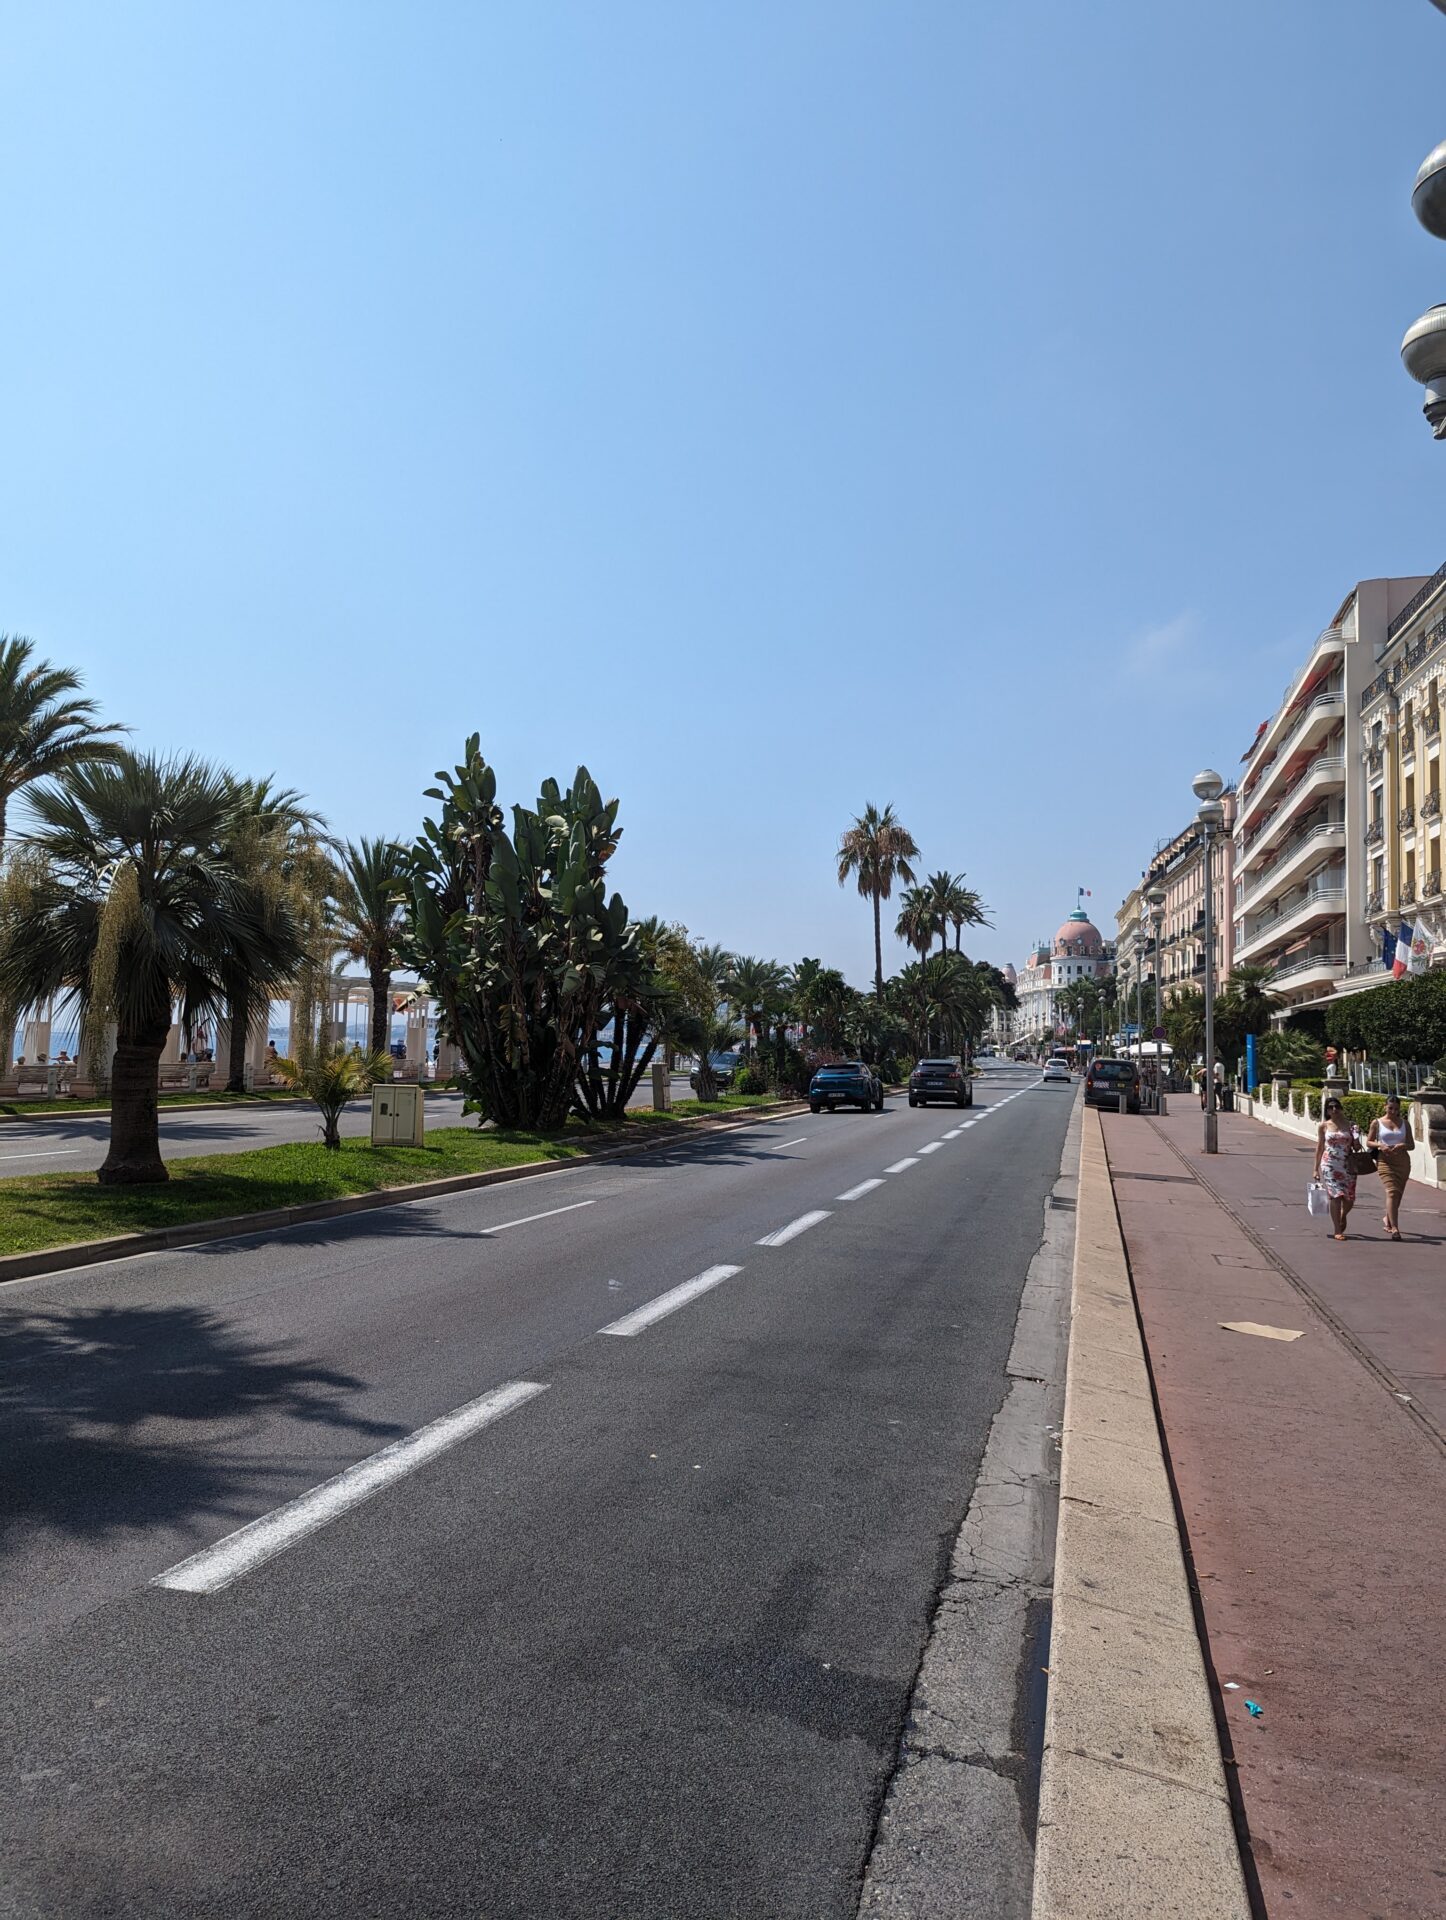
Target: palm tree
(370,878)
(275,851)
(876,849)
(1247,1003)
(756,990)
(43,731)
(330,1077)
(963,908)
(124,900)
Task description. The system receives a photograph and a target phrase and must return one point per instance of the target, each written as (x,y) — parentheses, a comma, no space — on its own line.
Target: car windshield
(1112,1070)
(939,1063)
(842,1067)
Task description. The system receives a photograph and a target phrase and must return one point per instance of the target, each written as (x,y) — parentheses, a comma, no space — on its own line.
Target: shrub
(750,1079)
(1363,1108)
(1297,1101)
(1312,1103)
(1297,1054)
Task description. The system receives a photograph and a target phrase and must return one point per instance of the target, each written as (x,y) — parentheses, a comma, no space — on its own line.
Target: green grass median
(38,1211)
(62,1107)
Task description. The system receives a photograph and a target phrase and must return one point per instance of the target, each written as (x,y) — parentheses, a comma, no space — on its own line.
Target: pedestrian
(1392,1135)
(1335,1146)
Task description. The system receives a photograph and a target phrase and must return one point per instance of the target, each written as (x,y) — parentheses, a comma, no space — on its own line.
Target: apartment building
(1178,865)
(1400,755)
(1302,838)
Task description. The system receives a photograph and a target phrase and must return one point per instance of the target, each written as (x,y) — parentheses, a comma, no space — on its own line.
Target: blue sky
(774,406)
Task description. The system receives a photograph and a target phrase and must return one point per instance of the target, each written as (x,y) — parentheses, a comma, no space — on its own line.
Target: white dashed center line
(669,1302)
(902,1166)
(933,1147)
(528,1218)
(793,1229)
(790,1143)
(858,1192)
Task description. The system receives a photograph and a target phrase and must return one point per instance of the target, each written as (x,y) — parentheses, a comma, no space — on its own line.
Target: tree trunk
(381,979)
(134,1158)
(240,1007)
(878,953)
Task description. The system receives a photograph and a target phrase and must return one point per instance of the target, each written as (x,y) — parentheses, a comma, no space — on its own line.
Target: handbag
(1363,1159)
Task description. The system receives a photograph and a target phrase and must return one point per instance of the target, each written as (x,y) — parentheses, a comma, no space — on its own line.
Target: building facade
(1178,865)
(1399,827)
(1315,853)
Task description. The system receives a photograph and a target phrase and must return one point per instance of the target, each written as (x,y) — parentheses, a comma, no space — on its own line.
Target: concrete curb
(1134,1817)
(124,1246)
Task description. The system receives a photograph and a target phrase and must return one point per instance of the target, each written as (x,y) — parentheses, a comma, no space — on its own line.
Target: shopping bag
(1317,1200)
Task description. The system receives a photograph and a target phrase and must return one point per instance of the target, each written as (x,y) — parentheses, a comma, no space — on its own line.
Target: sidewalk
(1313,1500)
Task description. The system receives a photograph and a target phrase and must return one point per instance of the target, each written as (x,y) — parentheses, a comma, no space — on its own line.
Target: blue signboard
(1250,1063)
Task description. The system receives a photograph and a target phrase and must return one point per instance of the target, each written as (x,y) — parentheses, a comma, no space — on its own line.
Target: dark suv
(1106,1080)
(944,1079)
(849,1083)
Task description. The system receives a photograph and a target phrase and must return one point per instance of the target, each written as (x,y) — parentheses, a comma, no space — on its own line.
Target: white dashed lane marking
(669,1302)
(794,1228)
(902,1166)
(858,1192)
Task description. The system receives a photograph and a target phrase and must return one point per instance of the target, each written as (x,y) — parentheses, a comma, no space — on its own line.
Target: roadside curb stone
(1134,1816)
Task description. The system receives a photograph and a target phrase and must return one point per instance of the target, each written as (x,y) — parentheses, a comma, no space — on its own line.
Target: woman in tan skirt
(1392,1135)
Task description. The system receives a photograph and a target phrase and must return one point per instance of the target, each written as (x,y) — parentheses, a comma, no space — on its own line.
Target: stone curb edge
(124,1246)
(1134,1814)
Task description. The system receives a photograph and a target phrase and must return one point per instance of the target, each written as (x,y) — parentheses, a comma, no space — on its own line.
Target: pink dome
(1079,934)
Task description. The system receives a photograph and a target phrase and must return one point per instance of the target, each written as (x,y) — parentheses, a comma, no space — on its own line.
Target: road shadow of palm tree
(118,1418)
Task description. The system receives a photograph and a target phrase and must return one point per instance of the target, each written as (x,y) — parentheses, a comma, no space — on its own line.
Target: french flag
(1402,961)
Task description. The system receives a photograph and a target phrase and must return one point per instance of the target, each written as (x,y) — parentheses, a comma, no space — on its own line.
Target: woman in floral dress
(1335,1142)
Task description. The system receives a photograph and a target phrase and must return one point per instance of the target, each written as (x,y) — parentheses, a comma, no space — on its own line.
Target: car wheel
(830,1106)
(912,1101)
(879,1102)
(960,1101)
(814,1109)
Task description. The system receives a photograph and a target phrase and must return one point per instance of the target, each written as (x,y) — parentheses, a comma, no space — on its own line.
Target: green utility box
(398,1117)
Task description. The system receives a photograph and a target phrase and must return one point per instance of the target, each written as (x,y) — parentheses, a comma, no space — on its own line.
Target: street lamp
(1208,787)
(1155,901)
(1423,351)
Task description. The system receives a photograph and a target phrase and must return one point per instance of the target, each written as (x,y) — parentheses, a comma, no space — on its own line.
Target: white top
(1388,1136)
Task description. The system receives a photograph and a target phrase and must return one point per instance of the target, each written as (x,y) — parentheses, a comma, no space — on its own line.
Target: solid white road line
(528,1218)
(790,1143)
(670,1302)
(902,1166)
(933,1147)
(858,1192)
(793,1229)
(216,1567)
(55,1153)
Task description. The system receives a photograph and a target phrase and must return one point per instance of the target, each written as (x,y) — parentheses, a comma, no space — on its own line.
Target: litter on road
(1262,1333)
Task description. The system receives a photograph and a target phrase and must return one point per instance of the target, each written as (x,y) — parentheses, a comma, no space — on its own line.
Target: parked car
(1056,1070)
(946,1078)
(848,1083)
(724,1066)
(1106,1080)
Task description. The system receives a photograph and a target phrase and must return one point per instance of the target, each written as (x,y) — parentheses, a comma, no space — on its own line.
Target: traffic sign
(1159,1033)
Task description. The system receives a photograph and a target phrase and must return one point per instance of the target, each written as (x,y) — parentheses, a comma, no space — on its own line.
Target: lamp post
(1155,900)
(1423,351)
(1208,787)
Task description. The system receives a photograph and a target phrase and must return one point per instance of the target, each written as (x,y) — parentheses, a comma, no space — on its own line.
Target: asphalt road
(635,1639)
(65,1145)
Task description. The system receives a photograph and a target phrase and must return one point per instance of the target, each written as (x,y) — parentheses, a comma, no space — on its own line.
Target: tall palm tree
(963,908)
(43,729)
(917,922)
(124,900)
(876,849)
(370,882)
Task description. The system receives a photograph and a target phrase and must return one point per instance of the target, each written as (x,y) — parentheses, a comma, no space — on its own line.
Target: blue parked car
(849,1083)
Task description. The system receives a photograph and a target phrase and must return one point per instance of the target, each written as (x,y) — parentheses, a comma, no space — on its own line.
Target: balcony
(1376,902)
(1431,807)
(1322,898)
(1431,886)
(1408,893)
(1375,833)
(1375,759)
(1295,978)
(1408,741)
(1315,779)
(1431,725)
(1297,849)
(1406,819)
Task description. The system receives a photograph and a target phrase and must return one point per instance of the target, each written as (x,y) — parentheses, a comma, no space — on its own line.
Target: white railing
(1308,961)
(1254,881)
(1327,762)
(1330,891)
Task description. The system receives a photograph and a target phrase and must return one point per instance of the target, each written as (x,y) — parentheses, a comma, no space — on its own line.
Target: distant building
(1078,951)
